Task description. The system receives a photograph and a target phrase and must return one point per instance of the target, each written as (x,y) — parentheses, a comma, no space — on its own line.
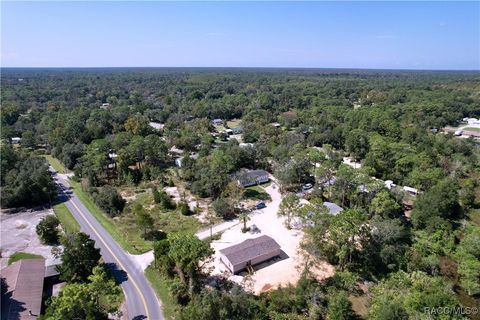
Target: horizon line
(245,67)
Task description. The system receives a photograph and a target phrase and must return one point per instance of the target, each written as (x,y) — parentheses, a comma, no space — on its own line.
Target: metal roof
(332,207)
(250,249)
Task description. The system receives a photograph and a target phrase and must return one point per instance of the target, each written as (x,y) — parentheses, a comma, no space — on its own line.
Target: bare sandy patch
(279,271)
(18,234)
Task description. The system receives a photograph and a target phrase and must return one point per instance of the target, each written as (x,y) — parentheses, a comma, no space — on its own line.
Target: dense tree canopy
(298,125)
(25,179)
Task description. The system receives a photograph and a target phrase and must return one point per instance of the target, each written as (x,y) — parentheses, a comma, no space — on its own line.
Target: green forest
(131,135)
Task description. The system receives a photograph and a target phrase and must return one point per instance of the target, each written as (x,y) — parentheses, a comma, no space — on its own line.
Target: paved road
(140,297)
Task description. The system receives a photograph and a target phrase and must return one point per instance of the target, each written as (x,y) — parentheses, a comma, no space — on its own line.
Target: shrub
(25,180)
(223,208)
(47,229)
(109,200)
(162,198)
(184,209)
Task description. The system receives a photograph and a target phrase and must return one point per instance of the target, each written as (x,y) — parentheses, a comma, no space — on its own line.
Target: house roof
(250,249)
(410,189)
(156,125)
(257,173)
(24,288)
(248,175)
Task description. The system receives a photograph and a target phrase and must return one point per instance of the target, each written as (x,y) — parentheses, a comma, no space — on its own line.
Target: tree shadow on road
(120,275)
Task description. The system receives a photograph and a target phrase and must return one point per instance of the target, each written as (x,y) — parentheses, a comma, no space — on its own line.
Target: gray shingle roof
(250,249)
(24,281)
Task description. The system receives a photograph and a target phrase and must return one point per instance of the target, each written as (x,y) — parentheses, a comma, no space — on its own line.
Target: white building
(410,190)
(389,184)
(156,125)
(16,140)
(472,121)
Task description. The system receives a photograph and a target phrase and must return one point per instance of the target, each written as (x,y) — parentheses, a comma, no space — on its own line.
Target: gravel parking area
(18,234)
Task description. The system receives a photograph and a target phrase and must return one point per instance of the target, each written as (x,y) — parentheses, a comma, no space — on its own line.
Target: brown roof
(24,287)
(250,249)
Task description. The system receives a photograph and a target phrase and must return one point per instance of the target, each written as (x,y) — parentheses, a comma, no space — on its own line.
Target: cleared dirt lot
(17,233)
(280,271)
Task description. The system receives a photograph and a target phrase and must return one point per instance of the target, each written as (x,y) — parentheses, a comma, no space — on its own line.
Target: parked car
(307,186)
(260,205)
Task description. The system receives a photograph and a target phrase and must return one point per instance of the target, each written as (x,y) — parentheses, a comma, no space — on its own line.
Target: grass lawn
(219,127)
(69,224)
(256,193)
(471,129)
(123,228)
(105,221)
(168,221)
(57,165)
(234,123)
(159,284)
(475,216)
(359,305)
(22,255)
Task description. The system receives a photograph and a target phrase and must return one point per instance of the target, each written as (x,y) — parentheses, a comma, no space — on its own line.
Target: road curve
(141,300)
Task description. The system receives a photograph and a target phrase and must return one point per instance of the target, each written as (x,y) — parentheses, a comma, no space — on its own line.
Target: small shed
(246,145)
(16,140)
(389,184)
(249,253)
(156,125)
(217,122)
(333,208)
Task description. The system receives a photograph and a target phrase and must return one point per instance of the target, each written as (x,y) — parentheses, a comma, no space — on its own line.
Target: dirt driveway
(287,269)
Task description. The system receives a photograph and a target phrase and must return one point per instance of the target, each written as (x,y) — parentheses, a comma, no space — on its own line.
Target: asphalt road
(141,300)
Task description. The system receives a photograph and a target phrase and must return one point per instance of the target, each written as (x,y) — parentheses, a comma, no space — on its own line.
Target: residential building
(249,253)
(247,178)
(410,190)
(22,294)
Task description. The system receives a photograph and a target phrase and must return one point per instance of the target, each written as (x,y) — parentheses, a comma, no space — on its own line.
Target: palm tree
(244,217)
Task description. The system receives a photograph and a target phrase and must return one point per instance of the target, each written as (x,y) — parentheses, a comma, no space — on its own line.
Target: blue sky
(396,35)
